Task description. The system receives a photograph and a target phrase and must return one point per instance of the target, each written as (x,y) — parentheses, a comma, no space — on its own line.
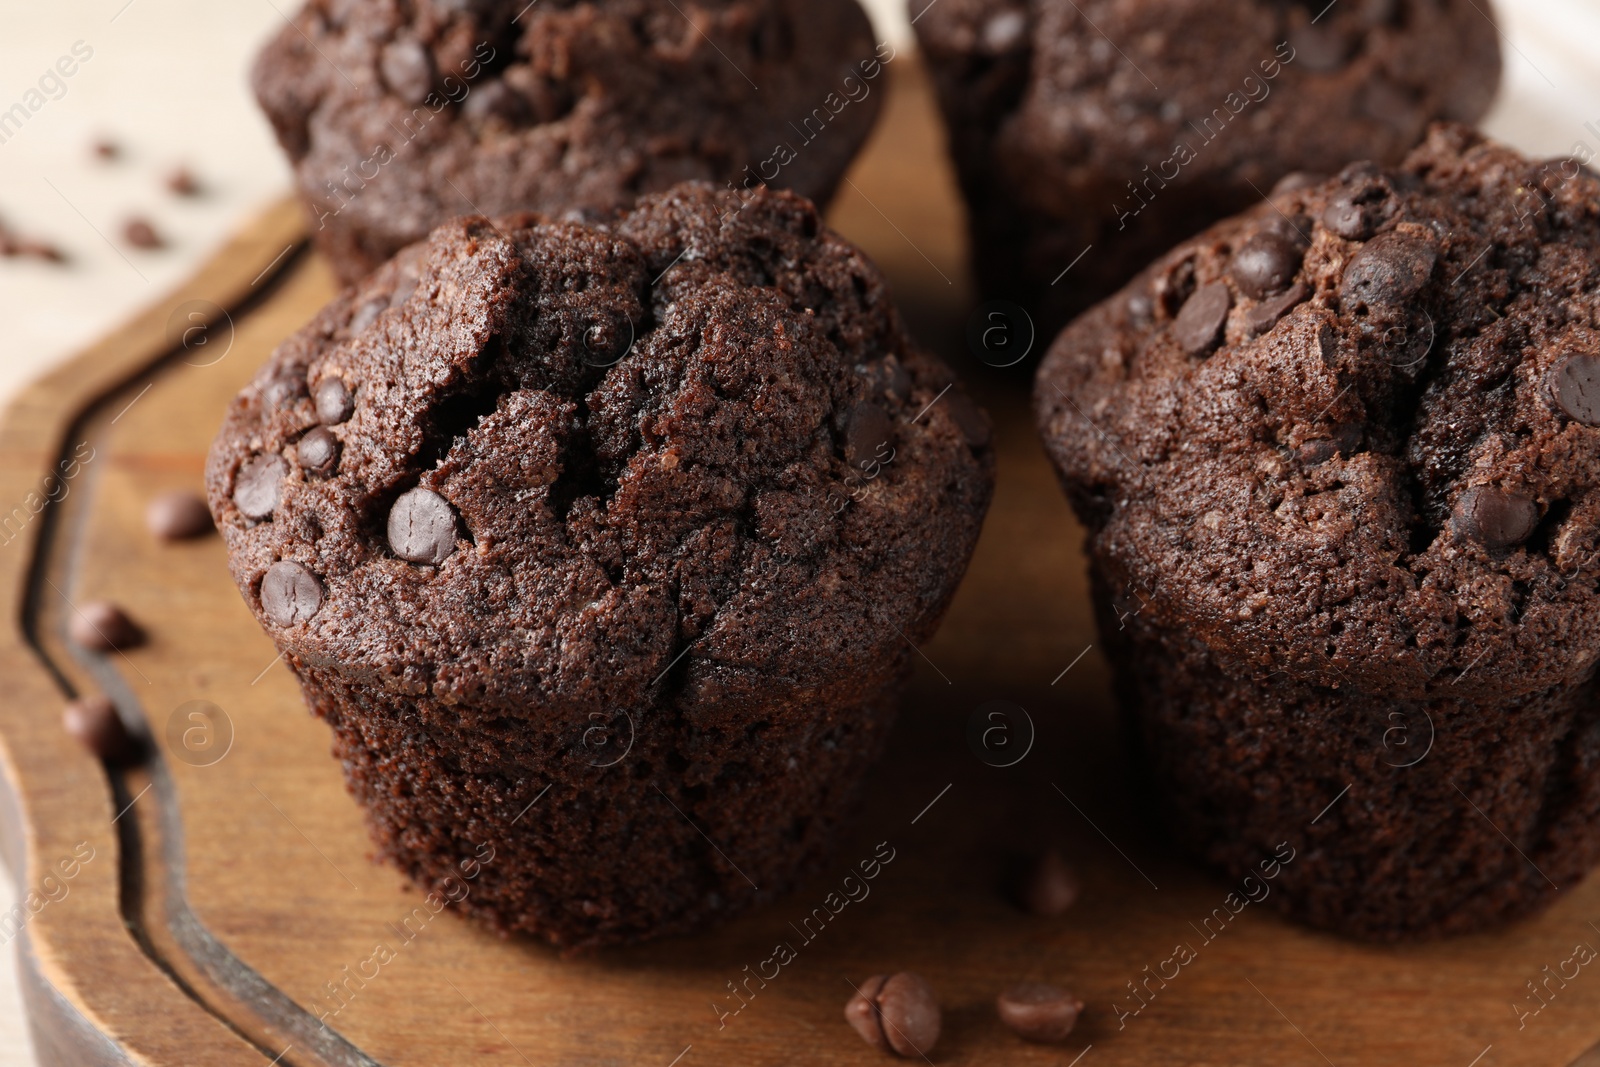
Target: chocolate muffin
(400,116)
(1339,459)
(1121,126)
(603,551)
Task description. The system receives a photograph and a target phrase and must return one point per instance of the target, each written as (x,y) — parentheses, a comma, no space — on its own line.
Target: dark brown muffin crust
(398,116)
(1343,452)
(1126,125)
(578,473)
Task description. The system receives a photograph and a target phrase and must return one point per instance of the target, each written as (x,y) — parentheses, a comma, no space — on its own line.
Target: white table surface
(167,81)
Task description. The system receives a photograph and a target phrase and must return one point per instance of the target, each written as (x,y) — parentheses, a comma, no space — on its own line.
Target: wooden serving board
(230,882)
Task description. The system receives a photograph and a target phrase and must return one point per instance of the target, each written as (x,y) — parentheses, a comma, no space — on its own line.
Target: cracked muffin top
(1354,434)
(542,465)
(400,114)
(1072,94)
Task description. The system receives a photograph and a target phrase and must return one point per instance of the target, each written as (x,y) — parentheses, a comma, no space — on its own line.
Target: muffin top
(1354,433)
(1204,89)
(399,116)
(536,465)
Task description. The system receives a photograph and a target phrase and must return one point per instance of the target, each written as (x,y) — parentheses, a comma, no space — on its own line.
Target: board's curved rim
(51,791)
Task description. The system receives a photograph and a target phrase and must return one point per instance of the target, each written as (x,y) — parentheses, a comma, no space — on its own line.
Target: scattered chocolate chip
(969,419)
(107,149)
(408,69)
(178,516)
(1035,1011)
(422,527)
(258,486)
(141,234)
(1297,180)
(334,402)
(1051,887)
(290,593)
(1494,518)
(867,435)
(41,250)
(1575,387)
(182,182)
(1265,315)
(1388,270)
(94,722)
(1320,48)
(1265,264)
(101,626)
(318,451)
(1198,327)
(896,1013)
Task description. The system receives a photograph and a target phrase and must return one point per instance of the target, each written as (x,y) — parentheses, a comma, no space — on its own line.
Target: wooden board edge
(117,1005)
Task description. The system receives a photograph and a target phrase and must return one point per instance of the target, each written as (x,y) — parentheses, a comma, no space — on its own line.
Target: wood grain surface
(230,913)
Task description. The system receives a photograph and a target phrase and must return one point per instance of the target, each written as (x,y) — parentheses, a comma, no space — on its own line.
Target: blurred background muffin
(1122,126)
(398,117)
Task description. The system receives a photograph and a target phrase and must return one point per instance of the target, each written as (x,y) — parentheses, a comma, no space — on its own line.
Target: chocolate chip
(290,593)
(366,315)
(1265,315)
(1320,48)
(969,419)
(422,527)
(1265,264)
(867,436)
(140,233)
(178,516)
(1494,518)
(334,402)
(1345,439)
(318,451)
(101,626)
(888,376)
(1361,168)
(182,182)
(1035,1011)
(1388,270)
(107,149)
(1297,180)
(94,722)
(408,69)
(1051,887)
(1575,387)
(283,389)
(896,1013)
(1348,219)
(1198,327)
(258,486)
